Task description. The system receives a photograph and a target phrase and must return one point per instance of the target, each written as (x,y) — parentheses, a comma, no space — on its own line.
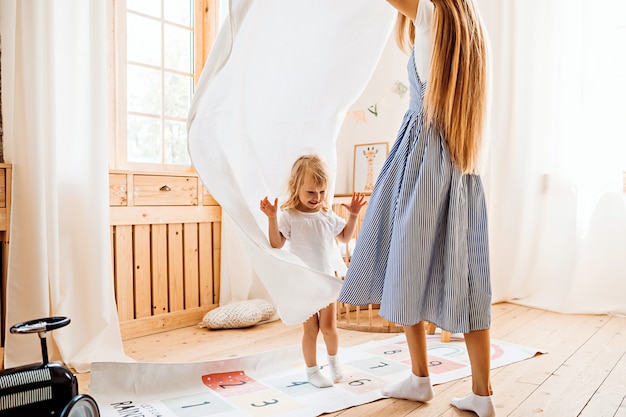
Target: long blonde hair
(306,165)
(456,91)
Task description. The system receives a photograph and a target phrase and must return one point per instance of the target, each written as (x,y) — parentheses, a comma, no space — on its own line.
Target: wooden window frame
(205,31)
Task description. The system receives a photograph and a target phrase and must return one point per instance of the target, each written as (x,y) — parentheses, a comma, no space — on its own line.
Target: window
(159,49)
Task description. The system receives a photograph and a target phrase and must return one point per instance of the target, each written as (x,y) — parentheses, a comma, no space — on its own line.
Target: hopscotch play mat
(273,383)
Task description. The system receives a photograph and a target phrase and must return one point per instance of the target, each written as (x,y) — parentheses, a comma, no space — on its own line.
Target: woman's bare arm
(406,7)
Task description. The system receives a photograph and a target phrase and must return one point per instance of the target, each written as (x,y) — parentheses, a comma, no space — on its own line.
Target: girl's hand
(268,208)
(357,203)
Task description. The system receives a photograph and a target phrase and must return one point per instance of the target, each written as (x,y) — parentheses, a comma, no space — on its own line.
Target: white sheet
(278,83)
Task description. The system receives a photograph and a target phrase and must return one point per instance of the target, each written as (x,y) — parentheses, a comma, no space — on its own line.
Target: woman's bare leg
(479,350)
(480,401)
(417,386)
(416,339)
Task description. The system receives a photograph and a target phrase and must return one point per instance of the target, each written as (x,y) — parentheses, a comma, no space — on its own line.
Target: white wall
(390,107)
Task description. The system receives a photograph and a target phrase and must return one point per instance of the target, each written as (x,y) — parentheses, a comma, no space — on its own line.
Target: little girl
(310,226)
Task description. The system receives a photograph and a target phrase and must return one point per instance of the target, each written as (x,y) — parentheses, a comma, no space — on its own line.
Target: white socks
(417,388)
(483,406)
(414,388)
(335,368)
(315,377)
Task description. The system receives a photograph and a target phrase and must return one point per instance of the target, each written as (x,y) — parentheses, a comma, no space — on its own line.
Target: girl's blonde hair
(306,165)
(456,90)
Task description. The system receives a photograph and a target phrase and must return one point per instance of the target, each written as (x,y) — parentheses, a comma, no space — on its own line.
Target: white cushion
(267,309)
(238,315)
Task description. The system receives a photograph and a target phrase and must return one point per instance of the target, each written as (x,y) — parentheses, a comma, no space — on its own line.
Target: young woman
(422,252)
(310,226)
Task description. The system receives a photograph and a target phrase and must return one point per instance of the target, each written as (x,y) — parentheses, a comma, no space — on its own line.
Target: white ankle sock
(481,405)
(414,388)
(335,368)
(315,377)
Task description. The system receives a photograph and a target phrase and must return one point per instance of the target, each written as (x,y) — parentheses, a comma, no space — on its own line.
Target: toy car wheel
(81,405)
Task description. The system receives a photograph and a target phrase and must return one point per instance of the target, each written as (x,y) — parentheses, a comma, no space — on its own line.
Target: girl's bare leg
(309,340)
(309,351)
(417,386)
(328,326)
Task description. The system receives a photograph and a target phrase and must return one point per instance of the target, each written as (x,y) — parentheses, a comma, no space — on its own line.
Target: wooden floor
(583,372)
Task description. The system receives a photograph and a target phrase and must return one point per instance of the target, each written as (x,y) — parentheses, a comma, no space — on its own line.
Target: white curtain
(558,149)
(55,104)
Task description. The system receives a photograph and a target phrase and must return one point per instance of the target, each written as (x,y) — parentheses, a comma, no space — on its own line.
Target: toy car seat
(45,389)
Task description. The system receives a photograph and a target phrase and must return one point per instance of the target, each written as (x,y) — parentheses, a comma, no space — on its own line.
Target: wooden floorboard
(582,373)
(584,364)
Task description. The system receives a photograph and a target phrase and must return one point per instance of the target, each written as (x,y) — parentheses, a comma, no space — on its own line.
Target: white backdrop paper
(273,383)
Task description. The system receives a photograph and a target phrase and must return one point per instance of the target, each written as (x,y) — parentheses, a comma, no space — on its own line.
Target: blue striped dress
(422,252)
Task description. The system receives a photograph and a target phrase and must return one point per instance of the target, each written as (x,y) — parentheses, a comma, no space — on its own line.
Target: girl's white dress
(311,237)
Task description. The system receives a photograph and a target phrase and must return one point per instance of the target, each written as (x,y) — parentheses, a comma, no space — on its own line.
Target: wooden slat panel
(143,296)
(207,199)
(217,252)
(164,215)
(118,191)
(5,238)
(190,239)
(124,272)
(4,219)
(175,267)
(150,325)
(160,190)
(159,269)
(171,258)
(205,237)
(3,188)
